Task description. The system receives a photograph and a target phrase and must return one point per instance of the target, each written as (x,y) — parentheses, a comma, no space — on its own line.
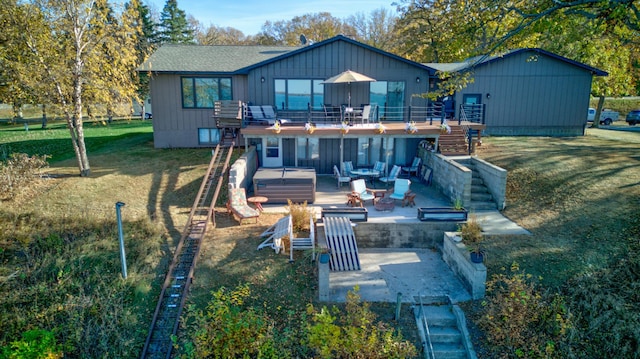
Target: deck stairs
(454,143)
(443,329)
(179,276)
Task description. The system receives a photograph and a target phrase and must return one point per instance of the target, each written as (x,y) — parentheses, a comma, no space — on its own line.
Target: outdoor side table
(409,199)
(258,201)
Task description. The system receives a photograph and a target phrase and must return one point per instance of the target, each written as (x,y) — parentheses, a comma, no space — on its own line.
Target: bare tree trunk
(44,116)
(596,119)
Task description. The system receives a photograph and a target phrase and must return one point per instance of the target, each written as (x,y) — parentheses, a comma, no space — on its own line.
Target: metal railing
(428,346)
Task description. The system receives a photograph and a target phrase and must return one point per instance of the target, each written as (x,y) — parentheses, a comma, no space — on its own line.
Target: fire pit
(384,204)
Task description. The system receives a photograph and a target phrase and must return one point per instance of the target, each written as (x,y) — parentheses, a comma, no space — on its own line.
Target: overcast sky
(248,16)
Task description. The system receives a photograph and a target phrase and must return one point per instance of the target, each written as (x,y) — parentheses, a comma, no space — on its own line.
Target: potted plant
(471,233)
(309,127)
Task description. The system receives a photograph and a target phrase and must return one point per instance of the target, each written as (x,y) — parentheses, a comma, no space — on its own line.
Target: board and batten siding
(532,94)
(329,60)
(174,126)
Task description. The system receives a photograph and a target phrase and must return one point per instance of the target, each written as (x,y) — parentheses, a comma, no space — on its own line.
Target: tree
(315,27)
(376,30)
(174,28)
(77,50)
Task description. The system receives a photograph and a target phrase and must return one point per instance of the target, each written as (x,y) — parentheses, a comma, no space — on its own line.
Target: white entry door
(272,154)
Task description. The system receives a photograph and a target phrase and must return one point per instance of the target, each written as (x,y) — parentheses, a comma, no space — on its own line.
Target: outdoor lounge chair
(415,166)
(393,175)
(400,187)
(238,206)
(359,188)
(257,115)
(269,114)
(296,243)
(340,178)
(366,113)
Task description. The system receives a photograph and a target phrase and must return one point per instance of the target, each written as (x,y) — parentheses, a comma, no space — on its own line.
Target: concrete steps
(481,198)
(445,336)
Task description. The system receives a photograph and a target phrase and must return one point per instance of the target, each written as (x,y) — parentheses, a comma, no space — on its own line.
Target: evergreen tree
(174,28)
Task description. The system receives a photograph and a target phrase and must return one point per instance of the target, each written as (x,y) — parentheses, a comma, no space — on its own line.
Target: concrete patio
(387,272)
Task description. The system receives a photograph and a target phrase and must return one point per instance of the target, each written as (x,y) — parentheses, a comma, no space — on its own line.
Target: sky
(248,16)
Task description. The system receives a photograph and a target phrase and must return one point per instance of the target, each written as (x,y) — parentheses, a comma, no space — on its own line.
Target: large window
(308,148)
(208,136)
(203,92)
(369,151)
(299,94)
(389,96)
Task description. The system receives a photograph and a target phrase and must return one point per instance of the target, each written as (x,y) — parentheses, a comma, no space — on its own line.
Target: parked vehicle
(633,117)
(606,116)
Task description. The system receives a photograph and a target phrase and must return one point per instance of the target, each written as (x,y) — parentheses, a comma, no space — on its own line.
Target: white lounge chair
(359,188)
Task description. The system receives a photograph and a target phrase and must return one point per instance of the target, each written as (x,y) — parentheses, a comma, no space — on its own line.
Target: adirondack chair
(341,179)
(393,175)
(296,243)
(359,188)
(400,187)
(238,206)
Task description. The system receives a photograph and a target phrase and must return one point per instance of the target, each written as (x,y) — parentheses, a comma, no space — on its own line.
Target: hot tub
(281,184)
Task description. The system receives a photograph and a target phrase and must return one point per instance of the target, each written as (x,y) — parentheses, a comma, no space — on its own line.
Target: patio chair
(379,166)
(341,179)
(415,166)
(400,188)
(359,188)
(331,113)
(296,243)
(366,113)
(347,168)
(393,175)
(238,206)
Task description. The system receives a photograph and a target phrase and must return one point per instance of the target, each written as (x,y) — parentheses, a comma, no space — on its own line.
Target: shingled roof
(216,59)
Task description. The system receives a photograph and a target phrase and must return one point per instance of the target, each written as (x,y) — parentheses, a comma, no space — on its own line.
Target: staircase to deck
(444,335)
(454,143)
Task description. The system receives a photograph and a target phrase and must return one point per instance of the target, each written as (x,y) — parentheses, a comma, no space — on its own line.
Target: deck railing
(433,113)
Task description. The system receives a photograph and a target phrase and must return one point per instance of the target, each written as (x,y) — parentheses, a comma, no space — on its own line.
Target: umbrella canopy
(348,77)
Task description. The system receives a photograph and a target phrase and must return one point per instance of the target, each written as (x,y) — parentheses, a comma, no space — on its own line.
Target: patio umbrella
(347,77)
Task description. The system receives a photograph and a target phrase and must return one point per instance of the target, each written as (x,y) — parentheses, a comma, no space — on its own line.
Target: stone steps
(445,336)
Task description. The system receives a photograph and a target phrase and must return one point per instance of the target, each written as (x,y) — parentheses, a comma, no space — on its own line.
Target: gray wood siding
(174,126)
(324,62)
(532,95)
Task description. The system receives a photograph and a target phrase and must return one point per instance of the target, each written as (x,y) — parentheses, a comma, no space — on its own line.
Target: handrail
(423,320)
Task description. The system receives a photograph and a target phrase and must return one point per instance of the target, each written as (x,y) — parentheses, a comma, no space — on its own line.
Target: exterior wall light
(488,95)
(418,79)
(262,79)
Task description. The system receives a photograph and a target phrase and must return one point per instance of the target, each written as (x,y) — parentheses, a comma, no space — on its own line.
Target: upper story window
(299,94)
(203,92)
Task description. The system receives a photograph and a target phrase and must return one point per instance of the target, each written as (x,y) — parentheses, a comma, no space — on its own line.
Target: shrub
(35,344)
(471,233)
(229,328)
(355,334)
(18,172)
(300,215)
(518,321)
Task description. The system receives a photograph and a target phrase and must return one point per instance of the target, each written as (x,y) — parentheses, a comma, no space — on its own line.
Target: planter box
(355,214)
(472,275)
(442,214)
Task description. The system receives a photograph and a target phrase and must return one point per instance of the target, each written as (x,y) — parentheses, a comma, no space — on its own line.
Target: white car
(606,116)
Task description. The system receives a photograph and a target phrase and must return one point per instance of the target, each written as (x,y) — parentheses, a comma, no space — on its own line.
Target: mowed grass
(578,196)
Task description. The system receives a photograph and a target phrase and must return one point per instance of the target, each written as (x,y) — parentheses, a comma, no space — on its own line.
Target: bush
(18,172)
(300,215)
(518,321)
(355,334)
(229,328)
(35,344)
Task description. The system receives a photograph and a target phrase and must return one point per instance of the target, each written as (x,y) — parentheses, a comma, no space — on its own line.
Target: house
(528,92)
